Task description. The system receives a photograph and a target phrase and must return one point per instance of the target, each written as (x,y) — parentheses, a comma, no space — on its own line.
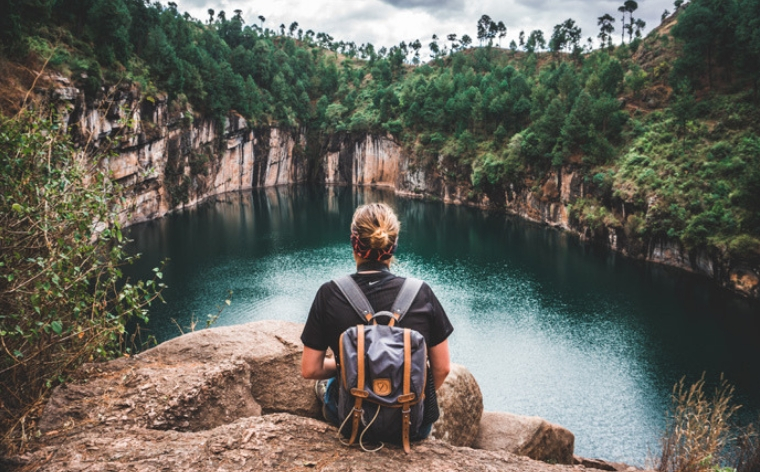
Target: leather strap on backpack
(406,297)
(350,289)
(357,413)
(406,419)
(355,297)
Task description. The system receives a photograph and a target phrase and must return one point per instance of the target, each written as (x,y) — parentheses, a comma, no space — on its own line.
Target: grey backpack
(383,370)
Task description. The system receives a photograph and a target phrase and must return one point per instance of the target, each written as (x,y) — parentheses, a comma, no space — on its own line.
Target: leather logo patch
(382,387)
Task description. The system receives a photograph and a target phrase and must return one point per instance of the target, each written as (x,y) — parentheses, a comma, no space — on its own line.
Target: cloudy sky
(388,22)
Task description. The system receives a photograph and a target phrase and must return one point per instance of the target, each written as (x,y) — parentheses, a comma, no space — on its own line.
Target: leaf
(17,208)
(228,302)
(57,326)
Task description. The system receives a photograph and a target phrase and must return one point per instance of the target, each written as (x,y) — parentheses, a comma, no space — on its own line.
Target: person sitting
(374,238)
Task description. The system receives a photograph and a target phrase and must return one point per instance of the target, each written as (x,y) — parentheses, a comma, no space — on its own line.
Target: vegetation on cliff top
(498,118)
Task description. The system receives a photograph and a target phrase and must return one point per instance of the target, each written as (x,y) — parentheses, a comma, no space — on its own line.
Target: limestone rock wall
(165,159)
(170,158)
(366,160)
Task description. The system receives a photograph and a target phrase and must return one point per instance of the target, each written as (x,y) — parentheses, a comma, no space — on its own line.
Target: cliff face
(171,159)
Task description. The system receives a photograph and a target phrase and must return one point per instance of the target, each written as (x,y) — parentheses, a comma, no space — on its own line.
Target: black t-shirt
(331,313)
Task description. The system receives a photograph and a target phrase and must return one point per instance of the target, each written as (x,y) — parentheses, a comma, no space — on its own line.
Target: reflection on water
(549,326)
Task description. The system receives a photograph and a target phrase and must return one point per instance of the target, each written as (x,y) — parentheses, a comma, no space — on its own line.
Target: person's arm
(314,364)
(439,362)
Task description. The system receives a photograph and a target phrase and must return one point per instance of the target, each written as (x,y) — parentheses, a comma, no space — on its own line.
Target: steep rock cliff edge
(232,397)
(170,159)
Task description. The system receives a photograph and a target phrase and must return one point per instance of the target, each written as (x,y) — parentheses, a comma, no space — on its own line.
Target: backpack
(383,371)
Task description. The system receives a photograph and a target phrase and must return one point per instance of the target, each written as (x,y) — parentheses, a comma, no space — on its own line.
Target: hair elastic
(365,251)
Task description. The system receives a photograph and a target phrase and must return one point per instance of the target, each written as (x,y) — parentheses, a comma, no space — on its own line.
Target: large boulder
(529,436)
(270,349)
(155,395)
(461,404)
(276,442)
(194,382)
(232,398)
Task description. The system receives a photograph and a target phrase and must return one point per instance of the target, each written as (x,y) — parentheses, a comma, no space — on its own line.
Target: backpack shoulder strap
(406,296)
(355,297)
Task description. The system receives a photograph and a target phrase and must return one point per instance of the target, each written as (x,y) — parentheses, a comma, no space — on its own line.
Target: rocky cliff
(166,159)
(169,159)
(232,398)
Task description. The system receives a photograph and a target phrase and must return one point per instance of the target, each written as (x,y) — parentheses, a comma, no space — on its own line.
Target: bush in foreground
(698,428)
(62,298)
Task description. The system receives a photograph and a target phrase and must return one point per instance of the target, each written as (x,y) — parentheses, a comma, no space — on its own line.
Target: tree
(639,26)
(665,14)
(292,28)
(502,29)
(109,21)
(577,129)
(630,6)
(606,28)
(453,38)
(465,41)
(484,24)
(707,30)
(622,10)
(493,30)
(434,48)
(416,45)
(262,20)
(684,105)
(535,41)
(636,79)
(210,15)
(566,34)
(748,34)
(521,39)
(489,29)
(611,78)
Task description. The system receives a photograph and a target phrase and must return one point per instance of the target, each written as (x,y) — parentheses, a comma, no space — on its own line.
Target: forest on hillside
(497,116)
(665,129)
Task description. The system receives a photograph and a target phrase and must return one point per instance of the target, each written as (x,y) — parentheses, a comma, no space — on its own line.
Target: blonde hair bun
(375,228)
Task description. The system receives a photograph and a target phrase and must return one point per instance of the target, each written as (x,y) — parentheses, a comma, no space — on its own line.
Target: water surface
(549,326)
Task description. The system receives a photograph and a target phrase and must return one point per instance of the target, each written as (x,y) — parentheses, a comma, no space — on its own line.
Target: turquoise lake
(549,326)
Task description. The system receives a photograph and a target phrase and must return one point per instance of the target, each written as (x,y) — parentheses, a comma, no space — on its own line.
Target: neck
(372,266)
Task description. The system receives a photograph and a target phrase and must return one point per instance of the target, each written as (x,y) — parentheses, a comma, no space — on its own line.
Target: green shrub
(63,300)
(635,226)
(744,246)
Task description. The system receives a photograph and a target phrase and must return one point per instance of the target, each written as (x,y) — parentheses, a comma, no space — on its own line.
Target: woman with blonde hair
(374,238)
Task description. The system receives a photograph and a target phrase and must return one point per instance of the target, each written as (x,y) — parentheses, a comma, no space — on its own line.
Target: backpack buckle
(408,398)
(360,393)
